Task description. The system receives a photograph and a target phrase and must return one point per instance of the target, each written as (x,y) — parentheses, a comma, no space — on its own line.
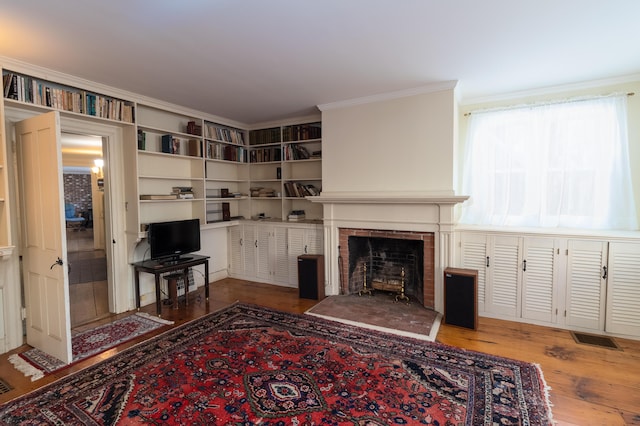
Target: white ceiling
(259,60)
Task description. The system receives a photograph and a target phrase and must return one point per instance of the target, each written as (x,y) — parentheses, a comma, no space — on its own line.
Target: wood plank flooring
(589,385)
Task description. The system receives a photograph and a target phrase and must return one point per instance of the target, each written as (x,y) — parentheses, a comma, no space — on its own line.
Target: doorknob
(57,262)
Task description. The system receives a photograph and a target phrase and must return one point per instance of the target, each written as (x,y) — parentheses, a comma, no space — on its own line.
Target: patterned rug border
(408,348)
(24,363)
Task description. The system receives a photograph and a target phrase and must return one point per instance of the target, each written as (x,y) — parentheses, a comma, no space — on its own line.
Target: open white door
(46,278)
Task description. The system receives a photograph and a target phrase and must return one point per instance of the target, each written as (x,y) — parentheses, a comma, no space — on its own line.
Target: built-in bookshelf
(225,143)
(286,167)
(206,160)
(170,166)
(26,89)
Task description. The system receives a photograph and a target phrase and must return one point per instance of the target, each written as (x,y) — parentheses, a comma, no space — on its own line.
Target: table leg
(158,301)
(137,281)
(185,280)
(206,279)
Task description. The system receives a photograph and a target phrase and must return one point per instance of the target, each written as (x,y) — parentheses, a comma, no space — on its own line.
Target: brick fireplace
(388,256)
(404,217)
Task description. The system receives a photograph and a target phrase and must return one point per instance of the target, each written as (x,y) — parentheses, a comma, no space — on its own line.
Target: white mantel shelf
(373,199)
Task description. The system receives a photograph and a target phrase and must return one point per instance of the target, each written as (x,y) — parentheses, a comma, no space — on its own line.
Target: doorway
(120,291)
(83,177)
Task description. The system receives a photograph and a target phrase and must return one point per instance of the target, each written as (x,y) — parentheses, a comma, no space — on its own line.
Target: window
(557,165)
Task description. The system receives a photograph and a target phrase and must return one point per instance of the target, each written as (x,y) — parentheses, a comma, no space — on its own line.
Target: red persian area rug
(36,363)
(247,365)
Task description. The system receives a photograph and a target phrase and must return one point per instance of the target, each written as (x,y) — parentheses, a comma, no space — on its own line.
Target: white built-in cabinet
(272,254)
(577,283)
(268,251)
(302,241)
(243,249)
(585,284)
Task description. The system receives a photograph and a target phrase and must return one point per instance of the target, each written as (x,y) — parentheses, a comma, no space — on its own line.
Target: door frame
(120,290)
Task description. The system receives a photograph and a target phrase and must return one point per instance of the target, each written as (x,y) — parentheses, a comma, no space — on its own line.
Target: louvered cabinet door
(250,249)
(236,266)
(264,252)
(623,289)
(280,255)
(586,284)
(502,293)
(473,255)
(539,277)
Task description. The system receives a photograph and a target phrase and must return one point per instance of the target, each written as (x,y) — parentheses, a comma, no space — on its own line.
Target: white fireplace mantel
(361,198)
(397,211)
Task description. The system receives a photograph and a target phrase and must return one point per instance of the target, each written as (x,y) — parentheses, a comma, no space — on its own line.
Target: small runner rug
(36,363)
(251,365)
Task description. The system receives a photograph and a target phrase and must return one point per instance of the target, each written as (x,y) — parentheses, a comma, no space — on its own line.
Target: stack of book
(263,192)
(194,129)
(183,192)
(296,215)
(158,196)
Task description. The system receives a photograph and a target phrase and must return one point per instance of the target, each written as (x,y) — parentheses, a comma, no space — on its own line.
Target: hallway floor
(88,286)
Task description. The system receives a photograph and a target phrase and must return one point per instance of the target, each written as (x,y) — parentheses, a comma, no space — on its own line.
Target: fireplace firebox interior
(387,264)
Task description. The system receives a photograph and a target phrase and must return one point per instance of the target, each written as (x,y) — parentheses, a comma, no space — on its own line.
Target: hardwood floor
(589,385)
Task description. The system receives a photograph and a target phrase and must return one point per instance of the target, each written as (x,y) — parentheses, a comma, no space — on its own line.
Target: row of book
(27,89)
(298,190)
(265,155)
(224,134)
(218,151)
(302,132)
(265,136)
(296,132)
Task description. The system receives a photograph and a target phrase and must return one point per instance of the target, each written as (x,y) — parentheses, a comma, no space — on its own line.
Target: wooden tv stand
(157,268)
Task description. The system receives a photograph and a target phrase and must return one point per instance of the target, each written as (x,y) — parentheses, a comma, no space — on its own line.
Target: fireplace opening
(387,264)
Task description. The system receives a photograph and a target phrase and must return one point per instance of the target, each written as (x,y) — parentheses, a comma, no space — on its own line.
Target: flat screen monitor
(174,239)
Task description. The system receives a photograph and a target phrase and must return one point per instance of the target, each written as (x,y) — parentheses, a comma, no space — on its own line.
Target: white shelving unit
(286,162)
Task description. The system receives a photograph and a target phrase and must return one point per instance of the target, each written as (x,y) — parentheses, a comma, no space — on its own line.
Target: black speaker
(461,297)
(311,276)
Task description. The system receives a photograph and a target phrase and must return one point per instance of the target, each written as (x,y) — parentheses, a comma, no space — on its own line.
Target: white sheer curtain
(556,165)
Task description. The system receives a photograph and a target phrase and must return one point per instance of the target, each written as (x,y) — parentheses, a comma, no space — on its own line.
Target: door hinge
(23,313)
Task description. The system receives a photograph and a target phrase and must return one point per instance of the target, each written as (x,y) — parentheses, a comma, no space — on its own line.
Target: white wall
(403,145)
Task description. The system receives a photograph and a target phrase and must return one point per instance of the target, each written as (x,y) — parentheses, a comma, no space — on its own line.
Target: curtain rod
(466,114)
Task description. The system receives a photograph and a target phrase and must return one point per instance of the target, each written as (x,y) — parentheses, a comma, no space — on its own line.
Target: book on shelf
(194,129)
(299,190)
(142,140)
(224,134)
(296,215)
(195,148)
(301,132)
(183,192)
(264,136)
(296,152)
(170,144)
(182,189)
(159,196)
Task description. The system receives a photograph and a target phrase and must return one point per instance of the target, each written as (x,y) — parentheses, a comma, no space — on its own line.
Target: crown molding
(430,88)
